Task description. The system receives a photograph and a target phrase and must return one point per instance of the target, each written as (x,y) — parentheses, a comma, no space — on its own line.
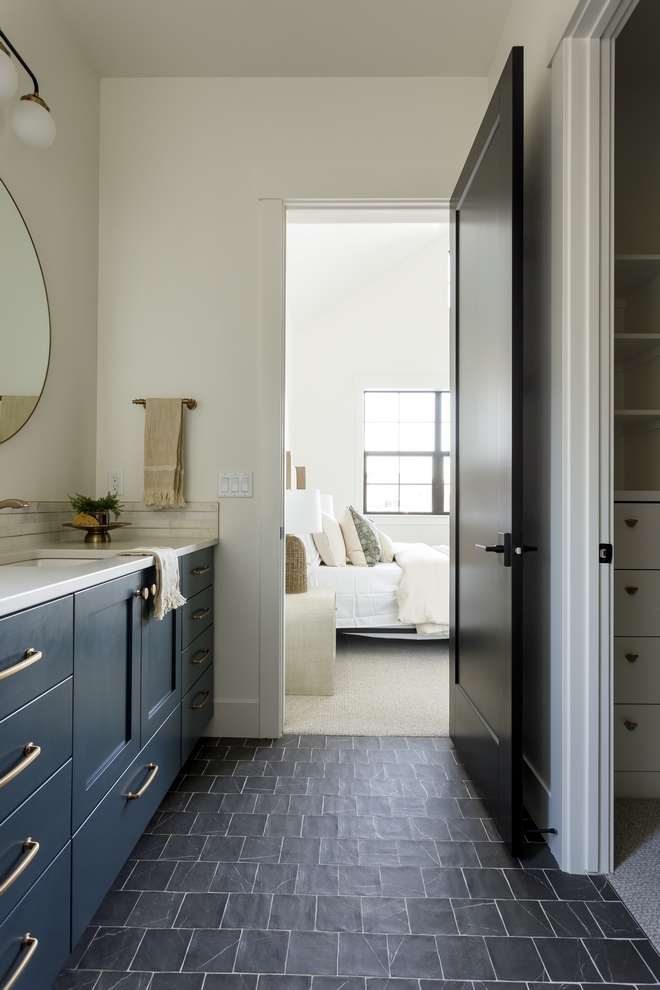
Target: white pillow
(311,553)
(330,543)
(354,549)
(386,548)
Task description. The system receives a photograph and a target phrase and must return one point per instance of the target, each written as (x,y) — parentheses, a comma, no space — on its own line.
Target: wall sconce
(31,119)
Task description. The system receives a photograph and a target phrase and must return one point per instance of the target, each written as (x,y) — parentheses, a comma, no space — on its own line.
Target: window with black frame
(406,452)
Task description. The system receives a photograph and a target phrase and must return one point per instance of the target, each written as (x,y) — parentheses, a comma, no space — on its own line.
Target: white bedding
(366,596)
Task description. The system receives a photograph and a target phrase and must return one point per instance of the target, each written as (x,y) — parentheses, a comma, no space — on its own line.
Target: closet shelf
(632,271)
(631,345)
(637,417)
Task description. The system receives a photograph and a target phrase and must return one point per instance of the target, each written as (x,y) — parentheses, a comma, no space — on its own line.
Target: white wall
(390,331)
(57,193)
(183,165)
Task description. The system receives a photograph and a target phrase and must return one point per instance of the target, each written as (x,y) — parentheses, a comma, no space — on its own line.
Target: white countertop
(25,586)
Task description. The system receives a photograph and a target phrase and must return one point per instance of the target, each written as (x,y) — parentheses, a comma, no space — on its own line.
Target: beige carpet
(383,687)
(636,876)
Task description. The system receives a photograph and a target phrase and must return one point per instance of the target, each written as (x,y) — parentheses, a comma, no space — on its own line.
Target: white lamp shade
(33,124)
(327,505)
(303,511)
(8,76)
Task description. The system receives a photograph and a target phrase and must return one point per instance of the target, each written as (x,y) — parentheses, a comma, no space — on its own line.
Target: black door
(486,696)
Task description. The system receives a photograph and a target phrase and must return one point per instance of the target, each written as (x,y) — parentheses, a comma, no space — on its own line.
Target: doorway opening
(367,434)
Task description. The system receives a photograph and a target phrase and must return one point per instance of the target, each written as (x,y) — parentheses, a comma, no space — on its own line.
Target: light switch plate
(235,484)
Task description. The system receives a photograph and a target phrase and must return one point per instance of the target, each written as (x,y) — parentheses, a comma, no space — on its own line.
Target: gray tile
(244,824)
(338,983)
(262,952)
(322,785)
(176,981)
(247,911)
(237,981)
(360,880)
(211,951)
(318,880)
(281,825)
(276,878)
(615,920)
(363,955)
(320,826)
(402,881)
(385,915)
(201,911)
(183,847)
(123,981)
(477,917)
(273,804)
(234,876)
(567,960)
(161,950)
(431,916)
(515,959)
(112,948)
(155,909)
(293,912)
(487,883)
(115,907)
(571,918)
(300,851)
(270,982)
(414,955)
(428,828)
(192,877)
(444,882)
(211,823)
(223,848)
(419,853)
(524,918)
(313,953)
(306,804)
(261,850)
(618,960)
(464,957)
(149,875)
(356,827)
(458,853)
(392,828)
(345,851)
(379,852)
(76,979)
(339,914)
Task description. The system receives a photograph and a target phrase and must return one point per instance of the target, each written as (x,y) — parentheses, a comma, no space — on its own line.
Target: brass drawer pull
(202,612)
(631,657)
(31,656)
(31,753)
(630,725)
(30,944)
(142,593)
(207,695)
(153,770)
(631,591)
(631,522)
(31,848)
(203,657)
(202,570)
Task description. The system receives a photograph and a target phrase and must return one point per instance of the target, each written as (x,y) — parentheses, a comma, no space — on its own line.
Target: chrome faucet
(13,503)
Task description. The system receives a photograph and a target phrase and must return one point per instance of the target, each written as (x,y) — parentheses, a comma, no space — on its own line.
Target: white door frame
(272,385)
(581,443)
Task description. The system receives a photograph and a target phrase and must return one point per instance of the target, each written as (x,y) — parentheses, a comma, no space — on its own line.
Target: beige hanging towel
(163,454)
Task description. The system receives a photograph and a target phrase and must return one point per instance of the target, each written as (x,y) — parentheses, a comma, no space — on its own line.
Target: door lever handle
(505,547)
(498,548)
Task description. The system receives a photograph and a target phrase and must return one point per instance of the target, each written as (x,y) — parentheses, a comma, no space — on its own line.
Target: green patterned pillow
(368,537)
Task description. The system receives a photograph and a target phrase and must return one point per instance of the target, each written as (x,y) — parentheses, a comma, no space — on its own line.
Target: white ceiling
(329,261)
(134,38)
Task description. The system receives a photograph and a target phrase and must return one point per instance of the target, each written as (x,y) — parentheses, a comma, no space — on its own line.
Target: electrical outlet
(116,481)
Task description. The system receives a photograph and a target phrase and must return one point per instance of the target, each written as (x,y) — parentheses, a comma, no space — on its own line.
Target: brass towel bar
(191,403)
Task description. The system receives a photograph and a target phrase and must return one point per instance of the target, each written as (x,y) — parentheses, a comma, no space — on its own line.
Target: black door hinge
(605,553)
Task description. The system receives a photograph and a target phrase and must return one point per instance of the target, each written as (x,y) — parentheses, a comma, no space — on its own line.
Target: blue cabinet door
(161,666)
(106,694)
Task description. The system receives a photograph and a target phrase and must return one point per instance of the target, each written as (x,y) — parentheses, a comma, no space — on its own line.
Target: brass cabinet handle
(142,593)
(153,590)
(153,770)
(631,522)
(31,753)
(630,725)
(31,848)
(202,612)
(631,591)
(631,657)
(203,657)
(202,570)
(206,694)
(30,943)
(31,656)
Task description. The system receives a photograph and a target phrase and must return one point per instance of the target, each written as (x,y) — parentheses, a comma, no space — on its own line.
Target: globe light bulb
(32,122)
(8,75)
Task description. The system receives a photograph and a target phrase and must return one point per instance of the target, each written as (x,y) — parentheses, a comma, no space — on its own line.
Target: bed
(367,596)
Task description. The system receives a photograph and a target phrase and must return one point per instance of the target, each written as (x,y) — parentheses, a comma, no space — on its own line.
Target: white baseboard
(234,718)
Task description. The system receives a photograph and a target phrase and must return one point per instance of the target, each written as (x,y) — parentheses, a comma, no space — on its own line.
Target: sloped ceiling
(157,38)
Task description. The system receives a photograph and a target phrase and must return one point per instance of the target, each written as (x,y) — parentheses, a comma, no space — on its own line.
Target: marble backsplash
(41,522)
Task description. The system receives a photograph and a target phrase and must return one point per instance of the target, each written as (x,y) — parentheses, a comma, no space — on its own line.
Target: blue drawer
(46,819)
(48,630)
(196,571)
(196,616)
(196,659)
(44,913)
(47,723)
(102,845)
(196,712)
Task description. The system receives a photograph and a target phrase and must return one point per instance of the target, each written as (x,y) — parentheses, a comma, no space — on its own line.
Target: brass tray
(100,533)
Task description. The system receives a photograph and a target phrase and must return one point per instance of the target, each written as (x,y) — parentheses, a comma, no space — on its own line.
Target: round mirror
(24,320)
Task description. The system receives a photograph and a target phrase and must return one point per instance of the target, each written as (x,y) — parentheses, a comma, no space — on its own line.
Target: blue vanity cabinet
(196,712)
(161,664)
(106,694)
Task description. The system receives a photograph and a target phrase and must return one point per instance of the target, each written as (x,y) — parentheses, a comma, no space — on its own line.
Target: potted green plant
(98,508)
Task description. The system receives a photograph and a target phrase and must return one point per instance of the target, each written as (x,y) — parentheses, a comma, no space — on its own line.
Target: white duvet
(423,593)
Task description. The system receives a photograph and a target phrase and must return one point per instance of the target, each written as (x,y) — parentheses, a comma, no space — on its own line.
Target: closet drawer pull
(202,570)
(631,657)
(203,657)
(31,848)
(153,770)
(31,753)
(202,612)
(631,522)
(30,944)
(631,591)
(630,725)
(31,656)
(207,695)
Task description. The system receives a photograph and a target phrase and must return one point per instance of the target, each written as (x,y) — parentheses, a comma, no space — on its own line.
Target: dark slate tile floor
(346,863)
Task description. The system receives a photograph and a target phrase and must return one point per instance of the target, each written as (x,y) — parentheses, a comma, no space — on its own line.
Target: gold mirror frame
(50,328)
